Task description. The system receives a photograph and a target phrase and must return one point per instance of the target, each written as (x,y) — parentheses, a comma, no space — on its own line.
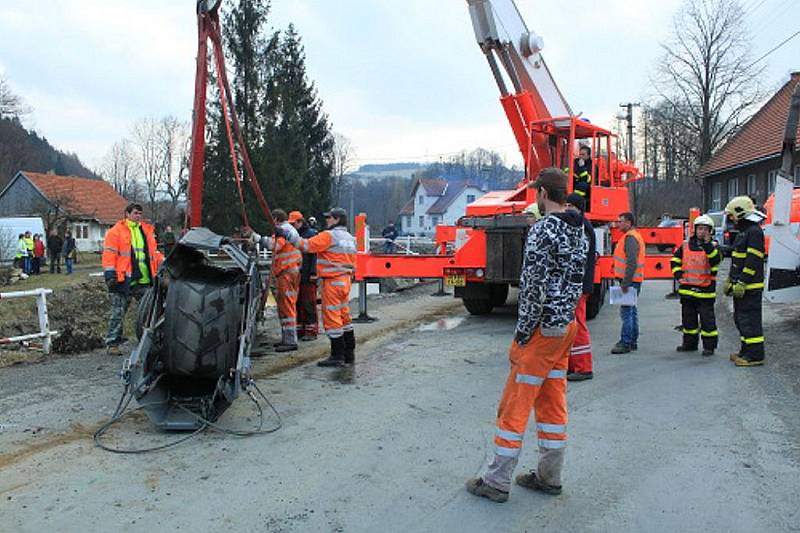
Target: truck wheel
(478,306)
(498,294)
(595,300)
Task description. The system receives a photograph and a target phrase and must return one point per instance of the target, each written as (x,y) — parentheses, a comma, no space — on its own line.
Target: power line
(776,47)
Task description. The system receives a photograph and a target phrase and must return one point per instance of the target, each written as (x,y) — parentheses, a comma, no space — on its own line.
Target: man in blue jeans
(629,255)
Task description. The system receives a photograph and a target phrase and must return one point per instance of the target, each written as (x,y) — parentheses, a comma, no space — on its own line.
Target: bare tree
(173,135)
(706,77)
(120,167)
(151,160)
(11,105)
(343,153)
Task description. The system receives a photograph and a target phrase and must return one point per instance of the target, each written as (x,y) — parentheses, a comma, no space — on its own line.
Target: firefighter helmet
(704,220)
(740,207)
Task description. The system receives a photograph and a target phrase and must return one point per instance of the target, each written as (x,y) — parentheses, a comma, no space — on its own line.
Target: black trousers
(693,309)
(747,316)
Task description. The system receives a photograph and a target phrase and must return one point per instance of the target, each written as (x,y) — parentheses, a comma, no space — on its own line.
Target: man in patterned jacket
(550,286)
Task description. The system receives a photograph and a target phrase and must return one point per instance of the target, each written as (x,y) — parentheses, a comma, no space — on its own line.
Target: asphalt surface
(659,441)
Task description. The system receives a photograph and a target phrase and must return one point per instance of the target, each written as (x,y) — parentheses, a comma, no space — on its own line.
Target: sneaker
(530,481)
(579,376)
(744,361)
(707,352)
(478,487)
(684,348)
(620,348)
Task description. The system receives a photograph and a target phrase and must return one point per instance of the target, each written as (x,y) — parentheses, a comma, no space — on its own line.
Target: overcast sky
(402,79)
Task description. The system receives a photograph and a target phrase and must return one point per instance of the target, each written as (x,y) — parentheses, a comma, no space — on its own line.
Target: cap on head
(337,212)
(294,216)
(551,179)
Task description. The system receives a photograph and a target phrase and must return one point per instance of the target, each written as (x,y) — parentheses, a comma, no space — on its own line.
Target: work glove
(738,289)
(727,289)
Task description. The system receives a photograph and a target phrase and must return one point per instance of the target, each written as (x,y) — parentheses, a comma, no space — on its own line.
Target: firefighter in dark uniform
(746,280)
(695,265)
(582,174)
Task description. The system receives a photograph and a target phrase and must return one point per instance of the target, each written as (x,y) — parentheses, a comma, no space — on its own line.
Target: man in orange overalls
(336,264)
(551,283)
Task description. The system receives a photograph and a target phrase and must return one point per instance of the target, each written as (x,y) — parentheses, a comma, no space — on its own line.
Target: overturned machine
(196,328)
(197,325)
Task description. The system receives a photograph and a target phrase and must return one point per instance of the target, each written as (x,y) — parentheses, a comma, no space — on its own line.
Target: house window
(421,199)
(716,196)
(421,221)
(470,198)
(81,231)
(408,222)
(751,185)
(733,187)
(771,178)
(434,220)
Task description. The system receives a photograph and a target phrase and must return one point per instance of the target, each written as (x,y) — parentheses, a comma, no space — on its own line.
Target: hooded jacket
(552,275)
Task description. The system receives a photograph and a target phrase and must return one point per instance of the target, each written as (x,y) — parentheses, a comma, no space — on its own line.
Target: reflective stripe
(676,260)
(551,428)
(715,269)
(287,320)
(696,294)
(580,350)
(749,271)
(739,255)
(752,340)
(110,249)
(336,307)
(552,443)
(557,374)
(754,286)
(348,327)
(579,192)
(290,293)
(691,331)
(529,379)
(293,253)
(109,269)
(338,284)
(508,435)
(507,452)
(715,253)
(676,269)
(714,333)
(757,253)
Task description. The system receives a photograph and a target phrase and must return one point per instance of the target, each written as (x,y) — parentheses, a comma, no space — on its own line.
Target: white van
(10,228)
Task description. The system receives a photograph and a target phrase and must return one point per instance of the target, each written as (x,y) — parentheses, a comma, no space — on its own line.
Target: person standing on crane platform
(695,265)
(550,285)
(582,174)
(746,280)
(336,265)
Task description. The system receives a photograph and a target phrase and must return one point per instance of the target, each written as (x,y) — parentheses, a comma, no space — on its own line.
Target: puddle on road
(443,324)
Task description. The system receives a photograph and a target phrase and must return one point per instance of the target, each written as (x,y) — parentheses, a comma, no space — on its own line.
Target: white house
(436,201)
(89,206)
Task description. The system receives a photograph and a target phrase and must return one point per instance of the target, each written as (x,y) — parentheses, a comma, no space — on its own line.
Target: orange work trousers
(286,285)
(537,381)
(336,306)
(580,356)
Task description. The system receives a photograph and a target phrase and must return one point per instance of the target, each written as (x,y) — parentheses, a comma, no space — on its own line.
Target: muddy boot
(349,347)
(551,461)
(337,353)
(478,487)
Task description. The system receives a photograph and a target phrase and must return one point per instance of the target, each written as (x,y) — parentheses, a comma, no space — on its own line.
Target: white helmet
(704,220)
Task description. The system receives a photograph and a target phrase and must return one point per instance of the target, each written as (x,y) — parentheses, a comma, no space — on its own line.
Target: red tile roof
(81,196)
(761,137)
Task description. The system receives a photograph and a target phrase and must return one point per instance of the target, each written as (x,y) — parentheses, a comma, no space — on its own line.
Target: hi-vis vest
(287,258)
(118,246)
(619,257)
(336,252)
(695,268)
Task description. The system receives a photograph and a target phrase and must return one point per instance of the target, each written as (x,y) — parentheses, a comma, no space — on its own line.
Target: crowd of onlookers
(33,252)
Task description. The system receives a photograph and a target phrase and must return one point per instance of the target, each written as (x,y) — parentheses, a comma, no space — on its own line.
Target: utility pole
(628,117)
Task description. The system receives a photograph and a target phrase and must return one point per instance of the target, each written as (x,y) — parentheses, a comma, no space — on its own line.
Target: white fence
(44,325)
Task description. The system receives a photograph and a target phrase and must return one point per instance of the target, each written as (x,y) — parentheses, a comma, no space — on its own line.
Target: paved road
(659,441)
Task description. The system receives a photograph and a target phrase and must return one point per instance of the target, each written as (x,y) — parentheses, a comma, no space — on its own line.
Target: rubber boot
(289,343)
(337,353)
(349,347)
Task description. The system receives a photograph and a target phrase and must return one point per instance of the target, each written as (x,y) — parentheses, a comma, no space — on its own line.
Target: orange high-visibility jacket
(118,250)
(336,252)
(620,259)
(287,258)
(696,268)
